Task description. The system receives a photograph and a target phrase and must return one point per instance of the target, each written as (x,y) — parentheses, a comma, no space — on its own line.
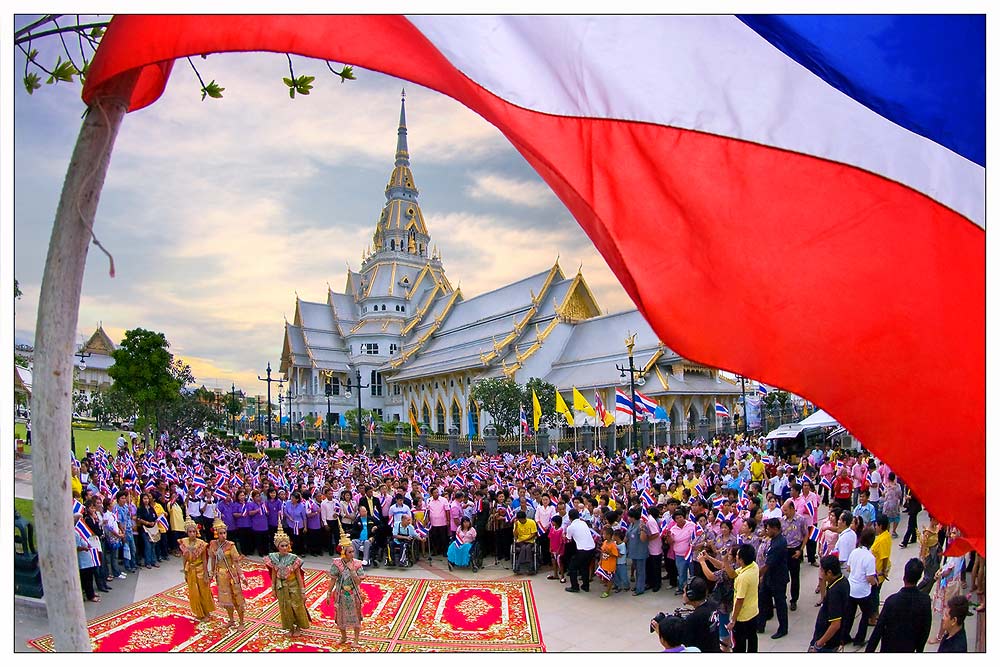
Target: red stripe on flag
(831,282)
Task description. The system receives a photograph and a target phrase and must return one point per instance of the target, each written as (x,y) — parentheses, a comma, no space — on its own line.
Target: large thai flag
(842,156)
(644,404)
(623,402)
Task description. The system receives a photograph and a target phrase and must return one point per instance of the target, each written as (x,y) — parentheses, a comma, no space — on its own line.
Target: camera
(654,624)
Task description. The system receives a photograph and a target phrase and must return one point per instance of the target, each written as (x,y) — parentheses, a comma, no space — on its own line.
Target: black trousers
(794,569)
(772,599)
(262,541)
(246,540)
(334,533)
(87,581)
(910,537)
(579,569)
(745,636)
(545,555)
(654,572)
(811,550)
(314,538)
(439,540)
(671,573)
(853,604)
(298,541)
(505,538)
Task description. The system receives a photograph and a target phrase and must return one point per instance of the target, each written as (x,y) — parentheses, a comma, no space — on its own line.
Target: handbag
(153,533)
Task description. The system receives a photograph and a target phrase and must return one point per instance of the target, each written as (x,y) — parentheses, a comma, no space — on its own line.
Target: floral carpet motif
(401,615)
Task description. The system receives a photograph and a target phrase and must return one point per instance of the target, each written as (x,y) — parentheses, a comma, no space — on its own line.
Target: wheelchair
(475,559)
(516,563)
(399,555)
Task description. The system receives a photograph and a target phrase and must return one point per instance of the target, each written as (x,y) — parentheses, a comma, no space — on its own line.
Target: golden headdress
(281,537)
(219,523)
(190,523)
(345,541)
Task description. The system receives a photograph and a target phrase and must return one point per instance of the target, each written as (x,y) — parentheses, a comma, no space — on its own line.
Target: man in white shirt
(861,577)
(579,533)
(543,517)
(848,538)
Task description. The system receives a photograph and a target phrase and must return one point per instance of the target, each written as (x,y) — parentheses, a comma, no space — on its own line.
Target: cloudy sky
(218,212)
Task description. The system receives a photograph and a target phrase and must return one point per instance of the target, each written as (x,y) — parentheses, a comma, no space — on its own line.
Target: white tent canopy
(819,418)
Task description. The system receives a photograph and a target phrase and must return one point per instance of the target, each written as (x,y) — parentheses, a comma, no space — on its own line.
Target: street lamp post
(361,441)
(280,383)
(632,372)
(289,396)
(329,392)
(232,415)
(268,380)
(743,391)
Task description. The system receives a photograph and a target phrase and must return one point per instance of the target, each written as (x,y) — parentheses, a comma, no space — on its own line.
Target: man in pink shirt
(437,509)
(654,562)
(858,474)
(679,536)
(826,472)
(455,513)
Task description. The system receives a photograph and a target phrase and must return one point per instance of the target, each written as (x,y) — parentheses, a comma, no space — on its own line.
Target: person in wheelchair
(460,550)
(363,531)
(403,536)
(525,536)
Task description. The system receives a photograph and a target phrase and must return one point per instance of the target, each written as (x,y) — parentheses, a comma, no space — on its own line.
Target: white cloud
(489,186)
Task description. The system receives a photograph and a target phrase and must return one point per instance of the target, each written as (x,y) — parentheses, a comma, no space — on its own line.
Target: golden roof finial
(630,343)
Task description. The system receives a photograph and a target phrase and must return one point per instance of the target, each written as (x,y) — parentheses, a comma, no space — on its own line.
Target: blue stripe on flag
(907,68)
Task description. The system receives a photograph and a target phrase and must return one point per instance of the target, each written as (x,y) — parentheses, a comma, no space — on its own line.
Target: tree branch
(69,57)
(74,28)
(48,18)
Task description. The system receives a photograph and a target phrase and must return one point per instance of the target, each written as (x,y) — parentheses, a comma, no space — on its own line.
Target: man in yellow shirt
(743,620)
(757,469)
(525,534)
(882,550)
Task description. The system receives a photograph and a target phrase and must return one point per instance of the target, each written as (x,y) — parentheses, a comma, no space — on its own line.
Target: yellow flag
(319,422)
(413,421)
(609,418)
(563,409)
(536,408)
(580,404)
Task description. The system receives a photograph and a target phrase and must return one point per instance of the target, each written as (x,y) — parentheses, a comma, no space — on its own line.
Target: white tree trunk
(55,334)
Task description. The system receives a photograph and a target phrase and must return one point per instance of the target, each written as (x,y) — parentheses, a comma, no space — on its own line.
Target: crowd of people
(725,524)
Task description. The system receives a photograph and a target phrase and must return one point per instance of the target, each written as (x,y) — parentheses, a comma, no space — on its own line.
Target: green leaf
(32,82)
(32,54)
(212,90)
(346,73)
(291,92)
(306,79)
(64,71)
(97,32)
(288,82)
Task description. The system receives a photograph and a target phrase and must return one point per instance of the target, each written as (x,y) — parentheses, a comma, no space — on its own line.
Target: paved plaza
(567,620)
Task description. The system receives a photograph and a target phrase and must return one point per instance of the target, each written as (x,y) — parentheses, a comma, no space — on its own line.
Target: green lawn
(84,438)
(26,508)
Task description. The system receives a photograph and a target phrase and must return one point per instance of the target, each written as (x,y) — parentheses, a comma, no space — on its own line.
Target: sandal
(605,594)
(96,598)
(562,580)
(551,576)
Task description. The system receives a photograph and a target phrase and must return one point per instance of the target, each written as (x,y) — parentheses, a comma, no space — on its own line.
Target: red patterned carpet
(401,615)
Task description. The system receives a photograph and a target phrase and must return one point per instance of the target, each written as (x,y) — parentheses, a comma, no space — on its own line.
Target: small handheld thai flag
(690,553)
(812,510)
(457,541)
(718,501)
(826,484)
(698,490)
(603,574)
(77,507)
(162,522)
(814,535)
(806,478)
(622,524)
(766,460)
(646,498)
(509,513)
(596,536)
(96,553)
(150,484)
(420,530)
(83,530)
(698,530)
(541,531)
(198,482)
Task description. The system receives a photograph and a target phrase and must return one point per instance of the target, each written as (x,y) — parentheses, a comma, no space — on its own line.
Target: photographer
(670,630)
(701,624)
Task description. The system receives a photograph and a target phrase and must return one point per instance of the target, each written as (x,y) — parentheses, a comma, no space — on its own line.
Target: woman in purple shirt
(243,532)
(226,508)
(314,522)
(272,507)
(295,522)
(258,524)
